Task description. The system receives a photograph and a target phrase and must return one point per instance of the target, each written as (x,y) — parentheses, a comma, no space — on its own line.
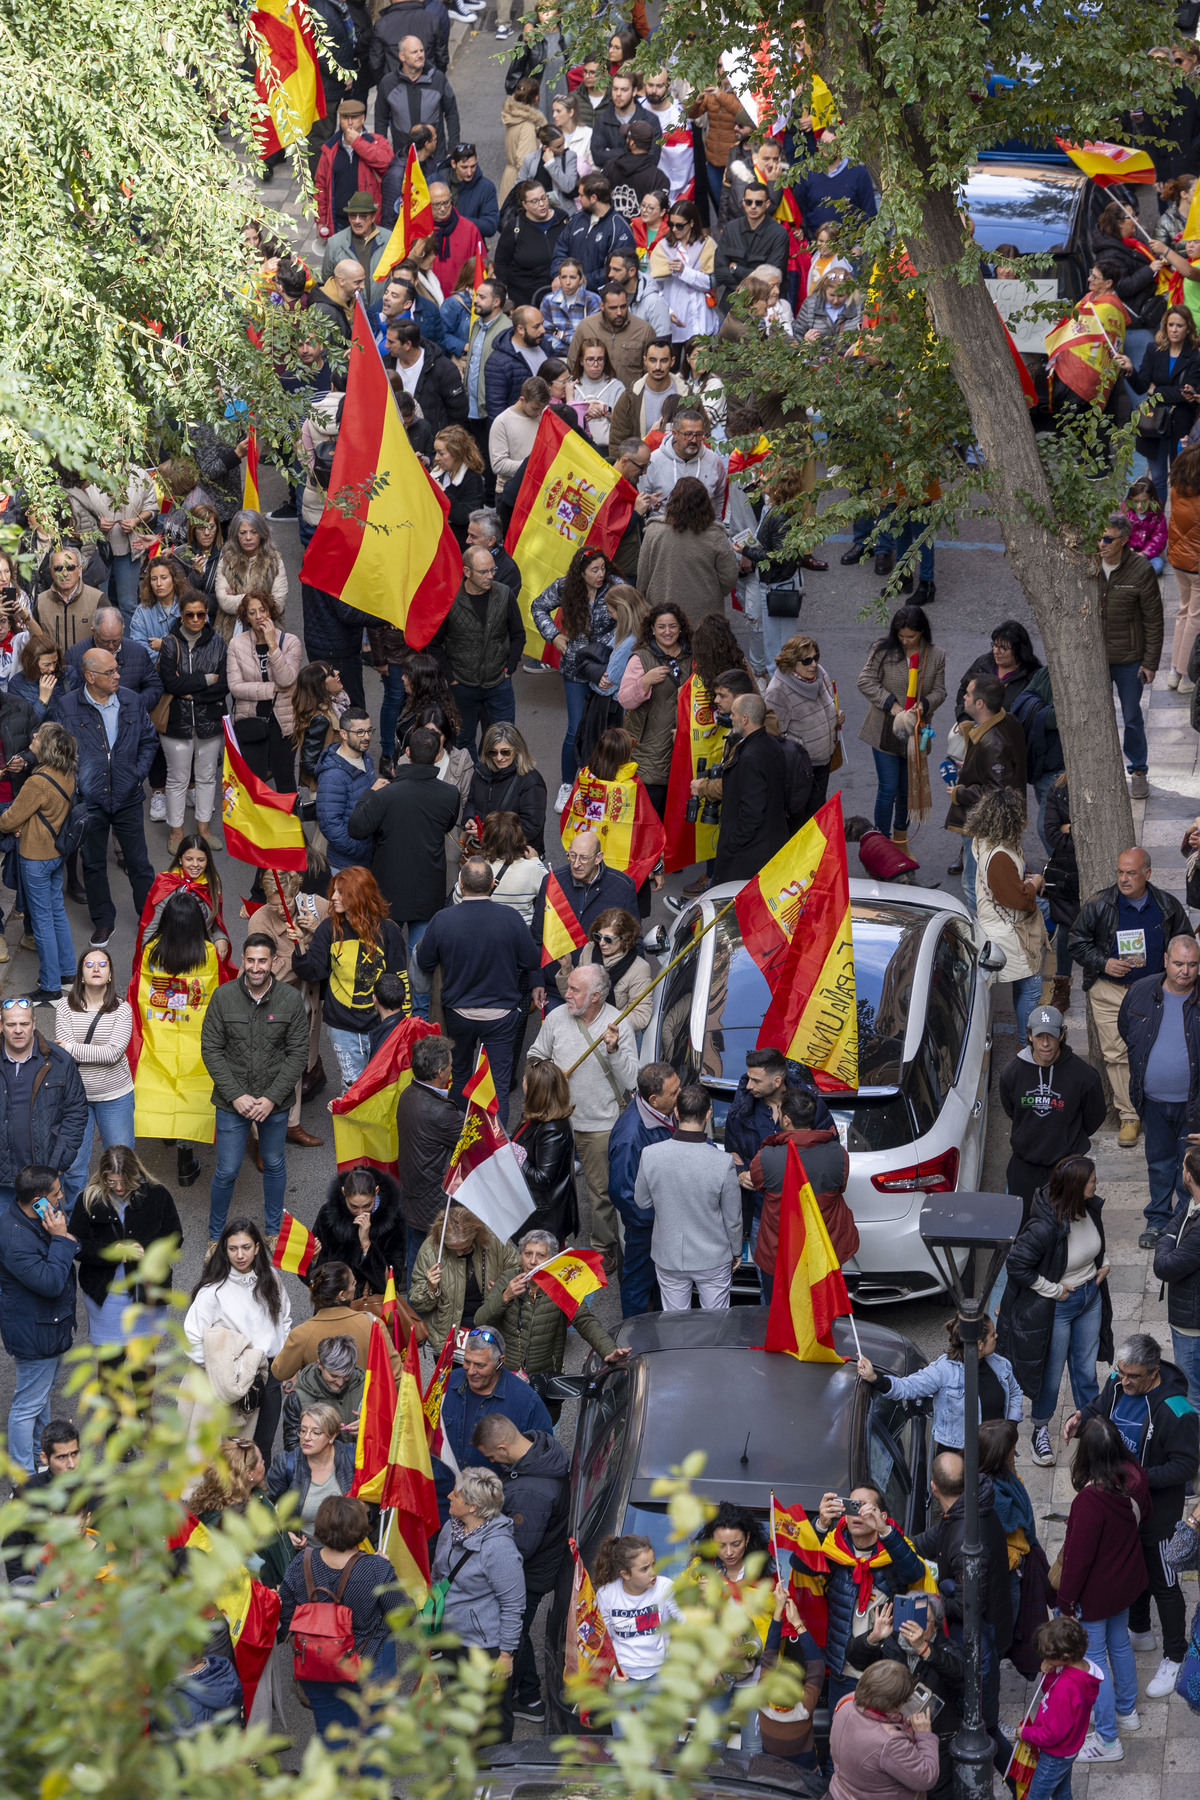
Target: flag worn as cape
(697,737)
(621,814)
(810,1290)
(588,1653)
(287,79)
(1082,349)
(261,826)
(172,1089)
(364,1117)
(384,542)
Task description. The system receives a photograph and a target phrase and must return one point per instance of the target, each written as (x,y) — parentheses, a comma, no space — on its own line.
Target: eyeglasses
(807,661)
(1110,538)
(67,568)
(9,1004)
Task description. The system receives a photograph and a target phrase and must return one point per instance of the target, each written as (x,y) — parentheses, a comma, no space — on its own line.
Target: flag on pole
(1024,1759)
(570,1277)
(697,736)
(408,1490)
(250,483)
(1110,165)
(387,1310)
(621,814)
(561,930)
(810,1290)
(376,1418)
(484,1175)
(589,1657)
(569,497)
(287,79)
(364,1117)
(813,1015)
(434,1396)
(384,543)
(414,219)
(260,825)
(1083,348)
(295,1247)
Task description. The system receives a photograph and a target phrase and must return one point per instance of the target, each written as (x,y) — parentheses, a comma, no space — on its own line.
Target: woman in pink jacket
(263,662)
(878,1754)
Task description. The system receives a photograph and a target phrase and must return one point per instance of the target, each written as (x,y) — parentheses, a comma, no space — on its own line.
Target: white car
(917,1123)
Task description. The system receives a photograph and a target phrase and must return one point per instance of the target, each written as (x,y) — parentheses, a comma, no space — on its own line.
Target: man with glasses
(474,195)
(362,241)
(484,532)
(632,460)
(345,773)
(482,1386)
(686,453)
(481,639)
(117,745)
(456,238)
(43,1108)
(746,242)
(1131,608)
(136,667)
(66,608)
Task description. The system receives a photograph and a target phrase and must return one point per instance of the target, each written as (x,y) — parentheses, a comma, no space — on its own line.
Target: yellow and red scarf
(839,1548)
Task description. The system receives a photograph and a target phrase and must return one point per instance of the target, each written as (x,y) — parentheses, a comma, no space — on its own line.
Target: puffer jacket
(1026,1320)
(340,786)
(1131,612)
(442,1309)
(1139,1022)
(535,1329)
(841,1592)
(37,1286)
(340,1241)
(311,1389)
(58,1114)
(247,686)
(485,1601)
(807,712)
(599,630)
(197,705)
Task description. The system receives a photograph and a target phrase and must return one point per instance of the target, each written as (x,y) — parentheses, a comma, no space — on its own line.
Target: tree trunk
(1055,573)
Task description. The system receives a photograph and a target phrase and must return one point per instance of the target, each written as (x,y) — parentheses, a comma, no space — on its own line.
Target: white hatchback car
(917,1123)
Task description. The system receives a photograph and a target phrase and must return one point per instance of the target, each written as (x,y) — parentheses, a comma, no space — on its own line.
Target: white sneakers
(158,807)
(1129,1721)
(562,796)
(1163,1682)
(1098,1749)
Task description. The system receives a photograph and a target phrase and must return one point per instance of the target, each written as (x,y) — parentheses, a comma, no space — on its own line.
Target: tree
(910,80)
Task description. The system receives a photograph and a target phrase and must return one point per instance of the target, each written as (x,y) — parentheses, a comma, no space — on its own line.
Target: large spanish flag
(250,1609)
(172,1089)
(561,930)
(1110,165)
(413,220)
(384,543)
(364,1117)
(698,738)
(261,826)
(810,1291)
(813,1015)
(408,1489)
(622,816)
(589,1656)
(286,77)
(1084,347)
(376,1419)
(569,497)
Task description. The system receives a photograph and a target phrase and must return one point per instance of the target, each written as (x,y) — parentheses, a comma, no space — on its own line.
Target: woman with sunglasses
(805,703)
(614,943)
(506,779)
(682,264)
(93,1023)
(453,1276)
(192,664)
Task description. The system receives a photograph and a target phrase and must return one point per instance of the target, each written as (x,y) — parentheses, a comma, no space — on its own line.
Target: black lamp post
(984,1226)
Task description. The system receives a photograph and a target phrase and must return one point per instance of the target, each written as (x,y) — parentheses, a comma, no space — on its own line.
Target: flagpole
(661,976)
(445,1221)
(854,1329)
(287,915)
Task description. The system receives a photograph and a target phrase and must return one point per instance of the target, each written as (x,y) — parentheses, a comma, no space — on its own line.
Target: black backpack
(69,835)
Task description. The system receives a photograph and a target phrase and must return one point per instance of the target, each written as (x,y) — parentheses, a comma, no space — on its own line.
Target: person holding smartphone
(37,1301)
(879,1748)
(911,1631)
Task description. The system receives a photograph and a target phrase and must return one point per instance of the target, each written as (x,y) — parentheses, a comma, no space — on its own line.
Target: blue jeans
(1109,1648)
(1186,1351)
(891,798)
(1051,1778)
(482,706)
(333,1711)
(29,1413)
(1025,994)
(576,693)
(113,1119)
(1129,693)
(47,916)
(416,929)
(389,712)
(123,585)
(232,1132)
(353,1052)
(1165,1125)
(1074,1345)
(499,1037)
(900,542)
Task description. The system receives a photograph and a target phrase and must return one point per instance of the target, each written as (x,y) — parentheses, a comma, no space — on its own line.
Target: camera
(691,811)
(710,812)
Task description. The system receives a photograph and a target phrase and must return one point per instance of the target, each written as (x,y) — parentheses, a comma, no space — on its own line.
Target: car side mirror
(991,959)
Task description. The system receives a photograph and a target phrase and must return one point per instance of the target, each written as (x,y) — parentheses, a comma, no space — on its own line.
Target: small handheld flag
(364,1117)
(484,1175)
(561,930)
(295,1247)
(250,484)
(260,826)
(570,1277)
(588,1654)
(414,219)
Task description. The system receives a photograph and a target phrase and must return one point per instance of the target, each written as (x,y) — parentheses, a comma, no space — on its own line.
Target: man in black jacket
(408,18)
(613,119)
(753,817)
(429,1126)
(1159,1023)
(1119,937)
(591,887)
(408,818)
(535,1472)
(1146,1399)
(1055,1101)
(428,375)
(480,641)
(746,242)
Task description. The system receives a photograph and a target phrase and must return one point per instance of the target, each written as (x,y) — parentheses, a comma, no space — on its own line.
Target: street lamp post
(984,1226)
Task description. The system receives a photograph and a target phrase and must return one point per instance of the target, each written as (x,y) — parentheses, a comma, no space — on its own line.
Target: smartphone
(43,1207)
(922,1699)
(909,1607)
(852,1508)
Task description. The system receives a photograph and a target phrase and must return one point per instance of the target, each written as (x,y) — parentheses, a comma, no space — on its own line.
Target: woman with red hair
(348,952)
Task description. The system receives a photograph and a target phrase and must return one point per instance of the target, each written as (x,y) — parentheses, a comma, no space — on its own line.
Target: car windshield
(1029,208)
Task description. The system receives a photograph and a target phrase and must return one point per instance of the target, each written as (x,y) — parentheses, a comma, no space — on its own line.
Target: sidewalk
(1162,1760)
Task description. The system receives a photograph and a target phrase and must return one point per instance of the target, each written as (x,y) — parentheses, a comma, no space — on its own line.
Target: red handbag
(322,1632)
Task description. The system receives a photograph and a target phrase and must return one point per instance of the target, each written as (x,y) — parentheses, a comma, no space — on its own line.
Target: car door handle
(977,1109)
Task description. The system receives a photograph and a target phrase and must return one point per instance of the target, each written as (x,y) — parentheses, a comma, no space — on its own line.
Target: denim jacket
(944,1380)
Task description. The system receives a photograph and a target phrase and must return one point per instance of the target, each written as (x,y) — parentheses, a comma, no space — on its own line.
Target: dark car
(766,1422)
(529,1770)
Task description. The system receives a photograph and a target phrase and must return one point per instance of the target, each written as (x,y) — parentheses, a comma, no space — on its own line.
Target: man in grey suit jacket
(693,1190)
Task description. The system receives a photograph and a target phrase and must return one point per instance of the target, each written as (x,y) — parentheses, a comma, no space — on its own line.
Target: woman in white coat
(240,1292)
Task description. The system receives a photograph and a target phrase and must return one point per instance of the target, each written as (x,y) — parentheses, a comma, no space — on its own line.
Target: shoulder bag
(431,1614)
(322,1631)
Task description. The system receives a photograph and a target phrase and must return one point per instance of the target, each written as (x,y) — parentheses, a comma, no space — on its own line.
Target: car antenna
(744,1459)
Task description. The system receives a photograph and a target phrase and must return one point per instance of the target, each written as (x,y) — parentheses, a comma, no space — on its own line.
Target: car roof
(708,1383)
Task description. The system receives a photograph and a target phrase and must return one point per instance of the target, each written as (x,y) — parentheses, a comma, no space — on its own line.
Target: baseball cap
(641,131)
(361,203)
(1045,1019)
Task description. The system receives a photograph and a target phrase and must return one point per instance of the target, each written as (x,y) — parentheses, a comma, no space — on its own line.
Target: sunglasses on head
(9,1004)
(461,152)
(488,1336)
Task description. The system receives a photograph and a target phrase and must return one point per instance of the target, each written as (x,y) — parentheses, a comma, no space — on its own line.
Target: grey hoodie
(486,1600)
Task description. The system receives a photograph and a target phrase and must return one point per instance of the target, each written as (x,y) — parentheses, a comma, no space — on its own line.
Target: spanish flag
(569,497)
(249,1608)
(570,1277)
(260,825)
(408,1490)
(621,815)
(792,1527)
(250,483)
(387,1310)
(484,1175)
(435,1393)
(384,543)
(295,1247)
(697,736)
(1110,165)
(286,77)
(813,1015)
(413,220)
(1083,348)
(376,1419)
(172,1089)
(480,1090)
(561,930)
(810,1291)
(589,1657)
(364,1117)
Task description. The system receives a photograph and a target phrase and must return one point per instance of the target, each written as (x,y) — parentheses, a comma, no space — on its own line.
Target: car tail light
(937,1176)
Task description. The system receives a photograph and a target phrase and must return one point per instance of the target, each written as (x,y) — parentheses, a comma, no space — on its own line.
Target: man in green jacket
(1132,615)
(254,1044)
